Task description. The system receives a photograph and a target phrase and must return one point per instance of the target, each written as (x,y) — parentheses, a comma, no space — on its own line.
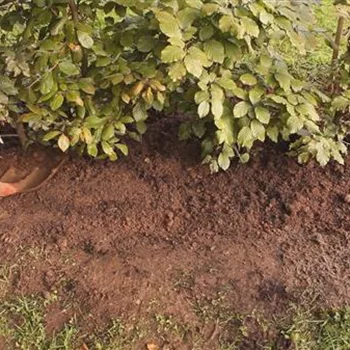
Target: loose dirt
(114,238)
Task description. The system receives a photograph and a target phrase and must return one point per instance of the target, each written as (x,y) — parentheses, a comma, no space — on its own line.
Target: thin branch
(338,37)
(74,10)
(336,51)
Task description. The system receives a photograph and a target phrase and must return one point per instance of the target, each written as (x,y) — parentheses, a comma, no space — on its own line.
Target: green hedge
(86,74)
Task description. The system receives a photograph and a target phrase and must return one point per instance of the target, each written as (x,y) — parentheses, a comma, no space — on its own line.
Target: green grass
(22,325)
(320,330)
(315,64)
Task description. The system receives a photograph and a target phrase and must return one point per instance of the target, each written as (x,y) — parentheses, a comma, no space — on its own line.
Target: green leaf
(217,100)
(187,16)
(340,103)
(57,102)
(215,50)
(226,22)
(168,24)
(193,66)
(262,114)
(245,137)
(108,149)
(203,109)
(248,79)
(177,71)
(294,124)
(92,150)
(323,154)
(85,39)
(94,122)
(284,80)
(69,68)
(258,130)
(63,143)
(224,161)
(108,132)
(250,26)
(122,148)
(241,109)
(206,32)
(87,135)
(51,135)
(272,133)
(139,112)
(47,83)
(146,43)
(172,54)
(256,94)
(7,86)
(87,85)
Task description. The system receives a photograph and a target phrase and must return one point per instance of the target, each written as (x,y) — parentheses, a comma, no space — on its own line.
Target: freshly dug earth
(158,228)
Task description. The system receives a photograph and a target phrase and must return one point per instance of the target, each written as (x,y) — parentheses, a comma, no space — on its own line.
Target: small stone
(46,295)
(347,199)
(62,243)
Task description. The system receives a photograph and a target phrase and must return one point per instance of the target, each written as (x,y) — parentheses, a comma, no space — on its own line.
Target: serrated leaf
(284,81)
(322,155)
(193,66)
(226,23)
(217,100)
(187,16)
(172,54)
(177,71)
(294,124)
(340,103)
(245,137)
(258,130)
(168,24)
(256,94)
(250,26)
(215,51)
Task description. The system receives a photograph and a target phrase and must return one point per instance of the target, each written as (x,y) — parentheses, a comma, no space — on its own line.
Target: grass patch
(315,65)
(22,326)
(320,330)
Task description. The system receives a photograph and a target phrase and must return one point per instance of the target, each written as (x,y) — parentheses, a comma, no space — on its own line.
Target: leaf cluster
(87,74)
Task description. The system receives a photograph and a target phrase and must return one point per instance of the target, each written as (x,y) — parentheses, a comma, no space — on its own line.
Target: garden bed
(156,230)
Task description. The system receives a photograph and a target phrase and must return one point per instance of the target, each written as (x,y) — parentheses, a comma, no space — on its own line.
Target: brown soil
(113,238)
